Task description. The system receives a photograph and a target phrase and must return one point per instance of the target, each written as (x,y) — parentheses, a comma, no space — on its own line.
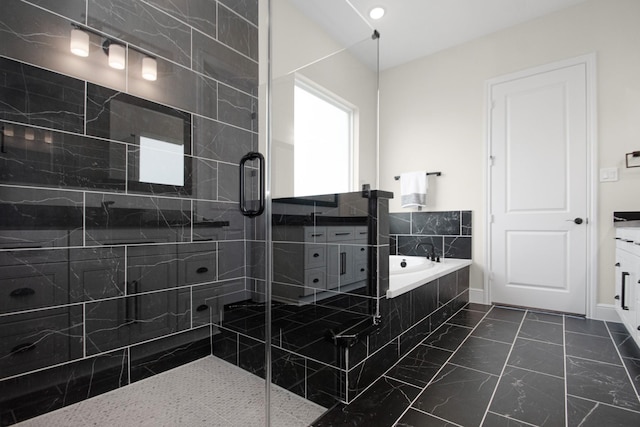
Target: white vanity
(628,279)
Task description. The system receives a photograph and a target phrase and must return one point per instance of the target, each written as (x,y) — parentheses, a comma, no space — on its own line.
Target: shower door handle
(243,201)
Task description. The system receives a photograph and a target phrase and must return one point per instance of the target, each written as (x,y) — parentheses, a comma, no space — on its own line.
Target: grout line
(603,403)
(564,365)
(514,419)
(503,367)
(535,372)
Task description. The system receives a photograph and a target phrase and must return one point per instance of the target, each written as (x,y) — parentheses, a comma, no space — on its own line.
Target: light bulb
(48,137)
(8,130)
(29,134)
(116,56)
(376,13)
(79,43)
(149,69)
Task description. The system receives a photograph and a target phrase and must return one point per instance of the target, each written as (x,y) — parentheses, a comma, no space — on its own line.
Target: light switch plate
(608,174)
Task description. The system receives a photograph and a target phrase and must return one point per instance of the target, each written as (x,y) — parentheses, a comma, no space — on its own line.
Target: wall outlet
(608,174)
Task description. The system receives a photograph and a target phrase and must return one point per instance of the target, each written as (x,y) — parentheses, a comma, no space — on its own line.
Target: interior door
(539,190)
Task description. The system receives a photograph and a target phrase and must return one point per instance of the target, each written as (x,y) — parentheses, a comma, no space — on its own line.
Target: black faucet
(432,255)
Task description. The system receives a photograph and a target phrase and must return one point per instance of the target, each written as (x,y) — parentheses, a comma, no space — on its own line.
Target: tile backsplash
(413,233)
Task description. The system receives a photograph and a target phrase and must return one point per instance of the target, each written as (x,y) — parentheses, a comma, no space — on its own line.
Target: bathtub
(417,271)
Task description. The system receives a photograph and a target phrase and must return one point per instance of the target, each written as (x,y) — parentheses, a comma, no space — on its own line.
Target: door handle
(624,284)
(577,220)
(243,202)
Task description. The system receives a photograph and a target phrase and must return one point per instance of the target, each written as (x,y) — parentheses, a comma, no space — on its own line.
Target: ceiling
(412,29)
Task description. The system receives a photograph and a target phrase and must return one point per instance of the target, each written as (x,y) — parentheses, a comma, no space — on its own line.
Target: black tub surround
(334,332)
(114,264)
(449,232)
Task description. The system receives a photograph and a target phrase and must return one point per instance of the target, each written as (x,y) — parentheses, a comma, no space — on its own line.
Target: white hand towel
(413,189)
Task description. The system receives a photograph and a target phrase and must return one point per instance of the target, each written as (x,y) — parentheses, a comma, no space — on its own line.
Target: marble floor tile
(420,365)
(447,337)
(482,355)
(531,397)
(587,413)
(538,356)
(544,317)
(600,382)
(415,418)
(585,326)
(497,330)
(495,420)
(626,345)
(542,331)
(381,405)
(478,307)
(591,347)
(456,388)
(467,318)
(506,314)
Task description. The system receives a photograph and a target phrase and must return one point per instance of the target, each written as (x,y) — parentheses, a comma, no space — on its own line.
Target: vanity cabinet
(628,279)
(308,259)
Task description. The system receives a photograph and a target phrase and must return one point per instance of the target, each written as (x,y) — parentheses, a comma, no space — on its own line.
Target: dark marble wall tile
(419,245)
(251,355)
(34,96)
(436,223)
(289,371)
(204,179)
(228,183)
(457,247)
(200,14)
(237,108)
(73,9)
(231,260)
(236,32)
(225,344)
(36,393)
(38,339)
(447,289)
(219,141)
(143,26)
(215,60)
(55,159)
(35,36)
(120,219)
(96,273)
(157,356)
(217,221)
(325,384)
(364,374)
(466,224)
(400,223)
(39,218)
(246,8)
(415,335)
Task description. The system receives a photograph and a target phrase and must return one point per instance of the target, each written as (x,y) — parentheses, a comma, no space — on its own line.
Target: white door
(539,190)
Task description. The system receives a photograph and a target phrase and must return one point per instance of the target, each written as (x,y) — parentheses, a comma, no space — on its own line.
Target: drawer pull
(23,348)
(362,270)
(202,307)
(22,292)
(316,255)
(617,264)
(342,234)
(317,234)
(316,280)
(362,249)
(202,270)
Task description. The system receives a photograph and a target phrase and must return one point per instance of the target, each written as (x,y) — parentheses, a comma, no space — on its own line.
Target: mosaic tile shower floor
(207,392)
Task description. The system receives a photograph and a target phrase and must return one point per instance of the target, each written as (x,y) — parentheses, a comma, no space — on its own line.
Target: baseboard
(606,312)
(476,295)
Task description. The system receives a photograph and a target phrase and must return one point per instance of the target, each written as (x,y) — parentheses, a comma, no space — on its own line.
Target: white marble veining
(207,392)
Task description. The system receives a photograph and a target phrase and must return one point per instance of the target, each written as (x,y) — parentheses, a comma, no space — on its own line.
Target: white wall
(432,113)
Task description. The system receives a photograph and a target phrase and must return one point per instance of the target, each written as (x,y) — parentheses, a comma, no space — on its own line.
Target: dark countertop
(626,219)
(318,220)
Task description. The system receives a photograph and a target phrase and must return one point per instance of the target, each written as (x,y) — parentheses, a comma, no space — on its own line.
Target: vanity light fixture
(7,130)
(149,69)
(79,44)
(116,54)
(376,13)
(48,137)
(29,134)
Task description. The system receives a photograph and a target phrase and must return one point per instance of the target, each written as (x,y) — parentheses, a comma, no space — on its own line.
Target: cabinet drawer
(31,286)
(340,234)
(361,234)
(361,271)
(315,234)
(315,278)
(33,341)
(197,268)
(360,253)
(315,256)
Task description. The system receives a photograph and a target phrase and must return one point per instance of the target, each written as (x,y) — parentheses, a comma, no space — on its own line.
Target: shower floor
(207,392)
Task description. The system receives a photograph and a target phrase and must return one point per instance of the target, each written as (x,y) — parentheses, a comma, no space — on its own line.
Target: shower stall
(151,198)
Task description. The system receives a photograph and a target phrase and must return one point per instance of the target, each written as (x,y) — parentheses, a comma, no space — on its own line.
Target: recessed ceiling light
(376,13)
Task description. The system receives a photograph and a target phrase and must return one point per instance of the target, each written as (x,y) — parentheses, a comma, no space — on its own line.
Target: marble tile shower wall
(110,271)
(449,232)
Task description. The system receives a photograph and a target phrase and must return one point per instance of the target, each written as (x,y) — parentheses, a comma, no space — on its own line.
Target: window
(323,148)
